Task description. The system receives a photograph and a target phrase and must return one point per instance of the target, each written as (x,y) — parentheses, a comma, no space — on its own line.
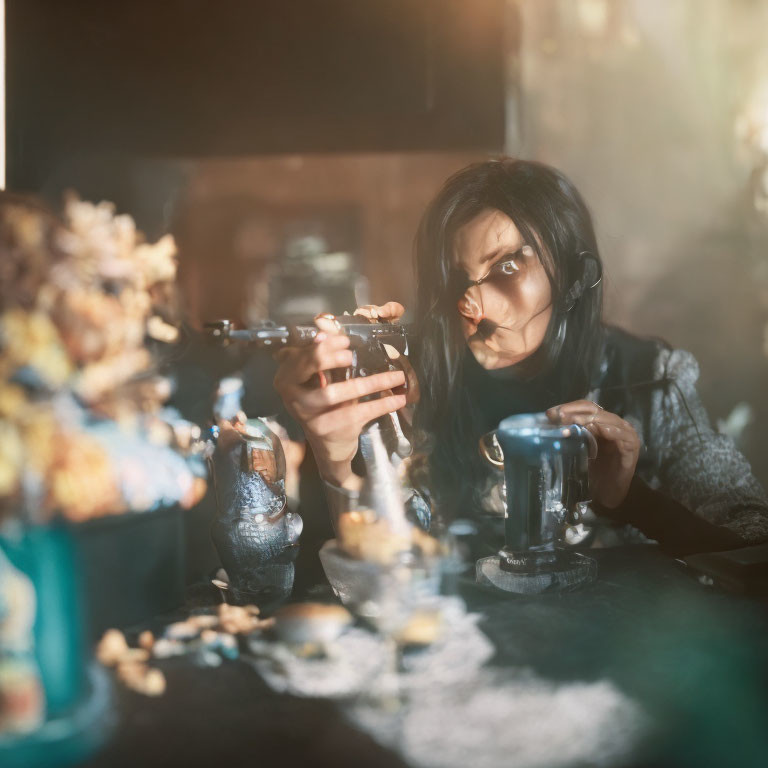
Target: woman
(508,320)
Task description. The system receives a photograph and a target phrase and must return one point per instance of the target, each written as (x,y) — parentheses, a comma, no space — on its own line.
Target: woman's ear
(587,272)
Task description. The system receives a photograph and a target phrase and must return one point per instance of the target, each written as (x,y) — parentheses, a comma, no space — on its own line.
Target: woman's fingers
(358,414)
(603,425)
(625,441)
(392,311)
(585,412)
(299,365)
(333,415)
(608,427)
(618,448)
(371,311)
(328,324)
(353,389)
(389,312)
(562,414)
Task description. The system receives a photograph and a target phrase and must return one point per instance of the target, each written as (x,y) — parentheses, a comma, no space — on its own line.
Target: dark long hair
(554,220)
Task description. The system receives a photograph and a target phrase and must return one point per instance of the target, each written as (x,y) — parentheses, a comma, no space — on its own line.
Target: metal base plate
(569,571)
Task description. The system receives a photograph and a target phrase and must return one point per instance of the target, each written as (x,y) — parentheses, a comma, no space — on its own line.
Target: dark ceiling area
(205,78)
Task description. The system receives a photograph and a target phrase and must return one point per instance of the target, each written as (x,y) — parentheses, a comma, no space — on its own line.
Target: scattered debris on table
(210,637)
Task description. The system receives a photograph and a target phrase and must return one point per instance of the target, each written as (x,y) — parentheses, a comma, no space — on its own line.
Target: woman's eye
(508,267)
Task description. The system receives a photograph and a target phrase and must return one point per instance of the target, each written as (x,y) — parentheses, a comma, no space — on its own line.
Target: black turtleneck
(503,392)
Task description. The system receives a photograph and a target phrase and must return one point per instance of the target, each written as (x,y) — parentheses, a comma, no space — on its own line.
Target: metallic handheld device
(266,334)
(368,343)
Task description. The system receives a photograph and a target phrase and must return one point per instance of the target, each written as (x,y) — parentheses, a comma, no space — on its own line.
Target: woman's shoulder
(630,359)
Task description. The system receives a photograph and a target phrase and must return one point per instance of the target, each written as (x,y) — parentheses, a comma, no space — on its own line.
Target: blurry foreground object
(83,434)
(55,706)
(207,637)
(383,566)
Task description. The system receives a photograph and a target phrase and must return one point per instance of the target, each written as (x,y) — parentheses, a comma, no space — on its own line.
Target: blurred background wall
(657,109)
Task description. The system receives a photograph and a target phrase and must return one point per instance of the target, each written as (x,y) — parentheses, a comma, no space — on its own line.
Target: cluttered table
(645,666)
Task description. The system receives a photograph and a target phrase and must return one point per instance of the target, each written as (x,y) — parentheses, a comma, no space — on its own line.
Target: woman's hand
(391,312)
(332,415)
(618,447)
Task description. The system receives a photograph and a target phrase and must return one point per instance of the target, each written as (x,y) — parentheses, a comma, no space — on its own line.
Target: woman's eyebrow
(502,250)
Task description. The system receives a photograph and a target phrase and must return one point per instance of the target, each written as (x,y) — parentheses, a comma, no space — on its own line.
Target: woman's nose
(470,308)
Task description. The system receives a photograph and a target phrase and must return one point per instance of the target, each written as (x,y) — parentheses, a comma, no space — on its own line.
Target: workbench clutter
(86,448)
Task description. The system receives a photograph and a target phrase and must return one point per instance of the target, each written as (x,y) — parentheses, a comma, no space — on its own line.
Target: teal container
(77,693)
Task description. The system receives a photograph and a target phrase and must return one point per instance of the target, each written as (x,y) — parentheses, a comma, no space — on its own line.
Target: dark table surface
(694,657)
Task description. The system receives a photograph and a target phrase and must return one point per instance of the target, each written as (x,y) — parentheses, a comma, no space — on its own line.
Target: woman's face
(505,318)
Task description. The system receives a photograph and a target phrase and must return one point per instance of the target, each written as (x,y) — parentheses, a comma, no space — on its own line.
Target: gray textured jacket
(689,461)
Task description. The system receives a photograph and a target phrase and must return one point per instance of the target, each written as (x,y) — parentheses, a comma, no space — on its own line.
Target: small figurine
(254,531)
